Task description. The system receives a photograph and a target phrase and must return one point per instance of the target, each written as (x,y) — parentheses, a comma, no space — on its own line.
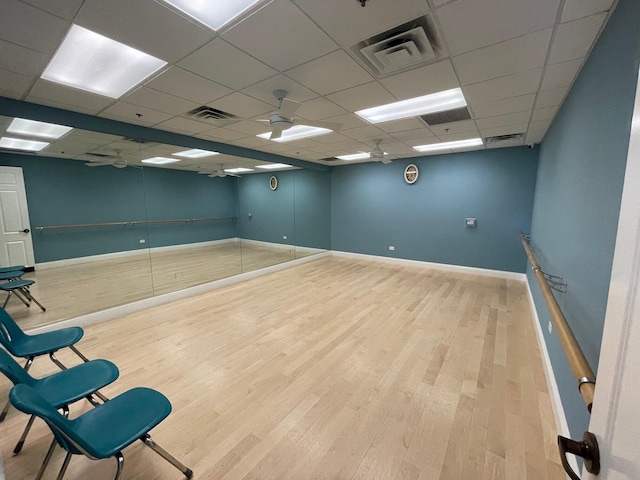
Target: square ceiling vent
(401,48)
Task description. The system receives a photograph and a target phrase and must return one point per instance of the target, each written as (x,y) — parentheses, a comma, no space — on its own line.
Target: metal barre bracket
(555,283)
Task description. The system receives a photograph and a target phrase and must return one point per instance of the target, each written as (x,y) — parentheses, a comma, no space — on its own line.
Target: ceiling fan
(378,154)
(219,172)
(107,160)
(282,119)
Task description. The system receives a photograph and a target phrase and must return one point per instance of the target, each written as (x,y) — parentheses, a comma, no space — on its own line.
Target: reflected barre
(577,361)
(136,222)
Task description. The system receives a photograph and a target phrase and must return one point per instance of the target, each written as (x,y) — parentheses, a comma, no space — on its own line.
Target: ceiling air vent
(448,116)
(210,113)
(401,48)
(135,140)
(504,140)
(101,155)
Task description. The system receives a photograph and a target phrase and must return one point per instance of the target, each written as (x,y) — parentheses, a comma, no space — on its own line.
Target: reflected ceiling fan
(106,160)
(219,172)
(282,119)
(378,154)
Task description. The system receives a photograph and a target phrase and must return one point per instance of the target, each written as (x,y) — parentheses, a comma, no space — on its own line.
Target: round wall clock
(273,183)
(411,174)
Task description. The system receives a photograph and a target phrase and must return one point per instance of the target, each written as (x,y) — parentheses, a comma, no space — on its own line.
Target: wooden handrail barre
(135,222)
(577,361)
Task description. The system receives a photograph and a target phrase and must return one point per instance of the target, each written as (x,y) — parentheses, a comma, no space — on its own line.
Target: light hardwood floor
(335,369)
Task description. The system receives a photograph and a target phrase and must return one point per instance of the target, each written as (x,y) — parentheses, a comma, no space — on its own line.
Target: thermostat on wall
(470,223)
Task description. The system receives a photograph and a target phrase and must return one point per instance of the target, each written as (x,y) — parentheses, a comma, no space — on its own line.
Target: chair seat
(13,284)
(42,343)
(68,386)
(13,268)
(114,425)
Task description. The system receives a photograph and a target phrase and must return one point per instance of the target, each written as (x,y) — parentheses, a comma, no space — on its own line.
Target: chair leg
(54,359)
(46,460)
(63,469)
(23,437)
(27,294)
(148,441)
(26,367)
(77,352)
(120,460)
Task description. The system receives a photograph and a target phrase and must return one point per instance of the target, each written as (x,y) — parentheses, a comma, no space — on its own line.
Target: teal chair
(21,345)
(61,388)
(104,431)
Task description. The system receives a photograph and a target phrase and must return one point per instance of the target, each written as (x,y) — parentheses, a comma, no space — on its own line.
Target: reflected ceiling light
(297,132)
(215,14)
(97,64)
(273,166)
(22,126)
(356,156)
(160,160)
(238,170)
(19,144)
(471,142)
(195,153)
(435,102)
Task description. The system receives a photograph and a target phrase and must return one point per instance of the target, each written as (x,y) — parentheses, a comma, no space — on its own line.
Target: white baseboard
(436,266)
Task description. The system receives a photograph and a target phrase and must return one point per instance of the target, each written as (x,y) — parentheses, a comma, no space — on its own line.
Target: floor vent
(401,48)
(448,116)
(210,113)
(504,140)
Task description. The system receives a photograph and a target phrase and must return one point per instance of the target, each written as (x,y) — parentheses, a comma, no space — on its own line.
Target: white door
(615,418)
(15,241)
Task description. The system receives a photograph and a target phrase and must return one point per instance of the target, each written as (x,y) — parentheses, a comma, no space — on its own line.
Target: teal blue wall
(372,208)
(579,185)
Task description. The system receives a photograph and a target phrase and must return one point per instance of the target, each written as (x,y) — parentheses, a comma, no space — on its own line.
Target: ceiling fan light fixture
(215,14)
(297,132)
(89,61)
(195,153)
(160,160)
(413,107)
(20,144)
(22,126)
(432,147)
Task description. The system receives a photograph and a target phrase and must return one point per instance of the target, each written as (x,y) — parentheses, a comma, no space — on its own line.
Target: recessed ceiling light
(160,160)
(471,142)
(215,14)
(195,153)
(273,166)
(19,144)
(238,170)
(22,126)
(435,102)
(97,64)
(297,132)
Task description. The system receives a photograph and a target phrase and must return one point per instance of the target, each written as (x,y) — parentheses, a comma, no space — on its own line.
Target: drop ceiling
(515,61)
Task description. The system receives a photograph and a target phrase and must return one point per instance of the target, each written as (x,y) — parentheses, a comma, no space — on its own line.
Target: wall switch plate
(142,240)
(284,237)
(392,248)
(470,223)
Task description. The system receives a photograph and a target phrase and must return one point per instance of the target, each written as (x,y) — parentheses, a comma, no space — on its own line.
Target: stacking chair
(19,288)
(61,388)
(21,345)
(104,431)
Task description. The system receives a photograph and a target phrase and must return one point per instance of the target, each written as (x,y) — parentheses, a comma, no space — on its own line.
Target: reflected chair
(19,288)
(61,388)
(104,431)
(21,345)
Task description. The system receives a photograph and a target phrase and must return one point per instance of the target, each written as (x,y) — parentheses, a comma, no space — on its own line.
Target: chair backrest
(12,369)
(9,331)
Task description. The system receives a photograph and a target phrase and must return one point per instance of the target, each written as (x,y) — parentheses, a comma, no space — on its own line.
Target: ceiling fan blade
(330,125)
(288,107)
(98,164)
(277,131)
(385,160)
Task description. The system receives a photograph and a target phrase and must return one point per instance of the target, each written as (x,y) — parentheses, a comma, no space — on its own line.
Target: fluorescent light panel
(238,170)
(195,153)
(471,142)
(160,160)
(273,166)
(19,144)
(215,14)
(97,64)
(413,107)
(297,132)
(354,156)
(22,126)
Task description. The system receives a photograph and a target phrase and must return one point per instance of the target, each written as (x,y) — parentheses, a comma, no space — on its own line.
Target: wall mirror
(113,220)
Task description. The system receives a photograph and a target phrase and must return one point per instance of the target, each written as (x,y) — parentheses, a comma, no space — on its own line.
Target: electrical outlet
(392,248)
(142,240)
(550,327)
(284,237)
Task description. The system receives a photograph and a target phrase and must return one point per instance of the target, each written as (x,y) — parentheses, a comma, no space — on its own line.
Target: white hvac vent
(209,113)
(401,48)
(504,140)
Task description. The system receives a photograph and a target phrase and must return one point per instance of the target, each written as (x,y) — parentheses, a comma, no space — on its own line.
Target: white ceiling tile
(30,27)
(574,9)
(241,105)
(251,141)
(348,120)
(550,98)
(264,90)
(545,113)
(505,130)
(347,22)
(503,120)
(240,70)
(455,127)
(183,125)
(400,125)
(504,87)
(157,100)
(331,73)
(222,134)
(502,107)
(540,125)
(412,135)
(250,127)
(136,114)
(560,74)
(362,96)
(330,139)
(471,24)
(13,84)
(319,109)
(534,137)
(22,60)
(512,56)
(190,86)
(281,36)
(574,39)
(62,8)
(55,94)
(453,137)
(167,35)
(361,133)
(422,81)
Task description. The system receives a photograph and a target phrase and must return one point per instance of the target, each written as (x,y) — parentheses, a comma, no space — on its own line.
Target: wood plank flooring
(335,369)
